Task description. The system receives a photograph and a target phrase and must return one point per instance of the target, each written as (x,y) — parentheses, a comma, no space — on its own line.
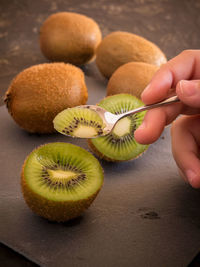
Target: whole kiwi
(131,78)
(69,37)
(118,48)
(39,93)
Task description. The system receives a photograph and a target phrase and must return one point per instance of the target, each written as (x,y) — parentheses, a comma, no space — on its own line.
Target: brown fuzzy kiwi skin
(118,48)
(69,37)
(60,211)
(37,94)
(131,78)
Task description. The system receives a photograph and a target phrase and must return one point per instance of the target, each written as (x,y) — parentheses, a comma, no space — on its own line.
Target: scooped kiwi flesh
(60,180)
(79,122)
(120,144)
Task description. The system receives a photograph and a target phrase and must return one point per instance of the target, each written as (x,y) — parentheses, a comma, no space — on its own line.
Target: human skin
(181,76)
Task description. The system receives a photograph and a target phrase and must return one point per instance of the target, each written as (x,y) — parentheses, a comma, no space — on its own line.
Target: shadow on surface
(9,257)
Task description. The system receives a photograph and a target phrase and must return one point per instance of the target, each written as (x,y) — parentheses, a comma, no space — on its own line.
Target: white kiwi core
(60,174)
(122,127)
(84,131)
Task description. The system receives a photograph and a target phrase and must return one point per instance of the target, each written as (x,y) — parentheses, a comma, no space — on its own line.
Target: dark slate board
(145,215)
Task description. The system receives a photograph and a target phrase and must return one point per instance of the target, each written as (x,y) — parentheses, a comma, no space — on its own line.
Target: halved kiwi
(79,122)
(60,180)
(120,144)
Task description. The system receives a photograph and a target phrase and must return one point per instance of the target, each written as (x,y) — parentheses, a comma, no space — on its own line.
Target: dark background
(172,24)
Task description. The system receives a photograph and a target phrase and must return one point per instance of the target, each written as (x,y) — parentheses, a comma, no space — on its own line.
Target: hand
(178,76)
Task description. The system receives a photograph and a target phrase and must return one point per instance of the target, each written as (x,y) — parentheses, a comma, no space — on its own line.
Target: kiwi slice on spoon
(79,122)
(60,180)
(120,144)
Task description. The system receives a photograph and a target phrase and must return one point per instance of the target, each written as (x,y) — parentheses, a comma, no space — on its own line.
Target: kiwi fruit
(69,37)
(60,180)
(39,93)
(118,48)
(120,145)
(131,78)
(79,122)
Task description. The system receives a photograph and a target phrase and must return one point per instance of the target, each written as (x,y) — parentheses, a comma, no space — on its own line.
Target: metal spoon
(111,119)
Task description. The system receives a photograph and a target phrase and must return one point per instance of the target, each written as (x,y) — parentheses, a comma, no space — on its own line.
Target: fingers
(189,92)
(185,147)
(185,66)
(155,121)
(185,130)
(151,128)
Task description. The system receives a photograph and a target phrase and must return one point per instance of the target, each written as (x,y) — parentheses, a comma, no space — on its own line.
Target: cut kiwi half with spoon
(79,122)
(60,180)
(120,144)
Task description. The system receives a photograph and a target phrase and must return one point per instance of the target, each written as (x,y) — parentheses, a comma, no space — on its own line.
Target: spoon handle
(167,101)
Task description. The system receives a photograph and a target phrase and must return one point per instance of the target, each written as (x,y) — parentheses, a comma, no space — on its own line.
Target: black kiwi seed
(59,184)
(68,183)
(71,182)
(51,167)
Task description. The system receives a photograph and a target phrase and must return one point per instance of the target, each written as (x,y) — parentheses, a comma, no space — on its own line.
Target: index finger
(185,66)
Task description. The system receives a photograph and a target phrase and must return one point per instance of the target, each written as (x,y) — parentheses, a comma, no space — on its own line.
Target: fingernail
(188,88)
(145,90)
(191,175)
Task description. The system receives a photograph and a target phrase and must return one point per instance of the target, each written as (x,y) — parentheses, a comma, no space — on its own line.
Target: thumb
(189,92)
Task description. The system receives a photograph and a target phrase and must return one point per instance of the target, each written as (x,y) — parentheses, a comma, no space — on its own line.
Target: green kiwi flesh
(60,180)
(120,144)
(79,122)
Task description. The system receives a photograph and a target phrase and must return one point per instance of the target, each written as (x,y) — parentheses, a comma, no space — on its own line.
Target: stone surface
(144,215)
